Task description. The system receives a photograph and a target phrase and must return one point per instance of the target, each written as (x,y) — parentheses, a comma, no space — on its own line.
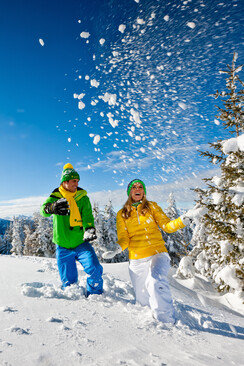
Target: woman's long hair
(127,208)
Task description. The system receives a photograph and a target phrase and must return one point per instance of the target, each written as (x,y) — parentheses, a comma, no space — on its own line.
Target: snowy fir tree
(221,255)
(17,237)
(2,249)
(98,244)
(28,243)
(178,243)
(110,234)
(38,242)
(109,226)
(196,259)
(7,240)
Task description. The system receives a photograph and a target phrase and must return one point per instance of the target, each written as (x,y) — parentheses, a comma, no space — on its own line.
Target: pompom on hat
(130,185)
(69,173)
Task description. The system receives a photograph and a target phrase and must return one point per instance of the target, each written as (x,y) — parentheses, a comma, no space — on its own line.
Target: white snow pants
(149,277)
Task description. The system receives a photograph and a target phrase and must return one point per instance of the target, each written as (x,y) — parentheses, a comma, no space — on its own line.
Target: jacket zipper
(138,218)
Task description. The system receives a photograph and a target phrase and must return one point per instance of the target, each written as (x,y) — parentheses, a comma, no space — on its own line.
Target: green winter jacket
(64,235)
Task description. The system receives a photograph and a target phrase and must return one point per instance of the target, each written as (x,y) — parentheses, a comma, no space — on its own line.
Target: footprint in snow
(79,323)
(8,309)
(19,331)
(76,354)
(5,343)
(54,320)
(47,290)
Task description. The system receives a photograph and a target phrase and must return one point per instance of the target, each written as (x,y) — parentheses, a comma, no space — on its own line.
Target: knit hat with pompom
(69,173)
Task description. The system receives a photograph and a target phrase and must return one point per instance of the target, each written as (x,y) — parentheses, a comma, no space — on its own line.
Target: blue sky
(158,61)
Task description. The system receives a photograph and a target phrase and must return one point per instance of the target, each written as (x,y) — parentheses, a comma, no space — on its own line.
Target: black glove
(90,234)
(60,207)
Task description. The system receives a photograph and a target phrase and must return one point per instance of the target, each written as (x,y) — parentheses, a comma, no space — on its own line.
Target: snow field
(41,325)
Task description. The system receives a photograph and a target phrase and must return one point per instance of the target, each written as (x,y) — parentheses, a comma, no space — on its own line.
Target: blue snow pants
(85,254)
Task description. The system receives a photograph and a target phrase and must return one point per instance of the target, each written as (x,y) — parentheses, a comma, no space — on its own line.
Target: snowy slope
(41,325)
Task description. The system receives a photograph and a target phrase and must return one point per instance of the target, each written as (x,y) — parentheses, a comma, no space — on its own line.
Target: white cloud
(22,206)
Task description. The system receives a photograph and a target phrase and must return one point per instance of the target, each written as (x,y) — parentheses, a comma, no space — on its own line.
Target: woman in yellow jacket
(138,224)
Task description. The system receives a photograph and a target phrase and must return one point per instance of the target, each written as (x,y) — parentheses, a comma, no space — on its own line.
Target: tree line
(32,236)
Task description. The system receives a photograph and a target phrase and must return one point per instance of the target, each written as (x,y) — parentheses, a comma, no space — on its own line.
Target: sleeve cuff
(185,220)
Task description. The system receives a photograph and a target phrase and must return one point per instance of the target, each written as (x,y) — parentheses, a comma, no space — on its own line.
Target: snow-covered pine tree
(7,240)
(28,243)
(45,234)
(110,234)
(178,243)
(197,256)
(38,242)
(98,244)
(221,257)
(1,245)
(17,237)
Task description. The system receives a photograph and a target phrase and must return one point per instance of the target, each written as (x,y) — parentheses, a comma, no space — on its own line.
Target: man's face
(71,185)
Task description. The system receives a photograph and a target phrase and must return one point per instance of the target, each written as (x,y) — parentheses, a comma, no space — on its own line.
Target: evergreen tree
(38,241)
(109,227)
(110,234)
(1,245)
(7,240)
(17,237)
(28,243)
(221,257)
(98,244)
(178,243)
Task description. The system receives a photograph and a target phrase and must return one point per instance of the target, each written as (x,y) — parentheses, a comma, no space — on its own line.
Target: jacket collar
(136,204)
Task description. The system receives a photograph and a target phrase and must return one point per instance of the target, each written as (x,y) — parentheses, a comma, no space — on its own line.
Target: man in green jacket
(73,228)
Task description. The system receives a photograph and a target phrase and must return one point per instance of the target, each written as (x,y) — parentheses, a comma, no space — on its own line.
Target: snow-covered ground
(41,325)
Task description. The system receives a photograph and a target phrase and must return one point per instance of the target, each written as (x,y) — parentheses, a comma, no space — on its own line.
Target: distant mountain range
(3,225)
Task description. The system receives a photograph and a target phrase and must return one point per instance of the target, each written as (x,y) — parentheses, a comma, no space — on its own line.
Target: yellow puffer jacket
(141,234)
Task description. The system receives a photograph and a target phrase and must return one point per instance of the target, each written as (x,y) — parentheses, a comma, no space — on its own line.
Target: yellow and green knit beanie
(69,173)
(133,182)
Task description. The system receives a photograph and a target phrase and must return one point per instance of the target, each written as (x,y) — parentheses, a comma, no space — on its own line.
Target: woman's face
(137,192)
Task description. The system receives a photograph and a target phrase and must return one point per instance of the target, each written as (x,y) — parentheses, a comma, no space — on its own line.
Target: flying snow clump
(122,28)
(96,139)
(81,105)
(191,25)
(95,83)
(114,123)
(135,116)
(140,21)
(79,96)
(182,105)
(109,98)
(85,34)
